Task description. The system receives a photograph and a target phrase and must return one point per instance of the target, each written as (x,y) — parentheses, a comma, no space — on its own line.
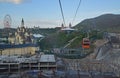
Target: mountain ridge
(103,22)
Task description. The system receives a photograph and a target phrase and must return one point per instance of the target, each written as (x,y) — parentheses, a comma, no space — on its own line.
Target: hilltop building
(63,28)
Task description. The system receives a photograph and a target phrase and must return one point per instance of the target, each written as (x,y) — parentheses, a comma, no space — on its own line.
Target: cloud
(47,23)
(43,23)
(13,1)
(114,11)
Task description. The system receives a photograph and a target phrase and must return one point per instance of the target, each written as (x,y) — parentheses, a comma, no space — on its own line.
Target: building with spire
(21,36)
(22,23)
(20,43)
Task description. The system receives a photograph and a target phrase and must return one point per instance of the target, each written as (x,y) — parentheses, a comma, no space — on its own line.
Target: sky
(47,13)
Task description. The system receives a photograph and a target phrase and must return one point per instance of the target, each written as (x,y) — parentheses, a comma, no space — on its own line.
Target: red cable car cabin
(86,43)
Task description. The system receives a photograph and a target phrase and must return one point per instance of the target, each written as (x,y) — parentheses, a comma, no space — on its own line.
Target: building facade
(21,42)
(21,49)
(21,36)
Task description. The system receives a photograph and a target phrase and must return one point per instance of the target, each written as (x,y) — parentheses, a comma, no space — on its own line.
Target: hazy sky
(46,13)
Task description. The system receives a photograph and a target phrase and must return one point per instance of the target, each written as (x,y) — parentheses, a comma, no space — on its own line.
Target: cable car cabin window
(86,44)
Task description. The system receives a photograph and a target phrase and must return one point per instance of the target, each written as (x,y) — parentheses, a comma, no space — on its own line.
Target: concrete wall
(102,50)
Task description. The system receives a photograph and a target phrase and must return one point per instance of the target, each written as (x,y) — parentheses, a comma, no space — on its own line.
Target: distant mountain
(107,22)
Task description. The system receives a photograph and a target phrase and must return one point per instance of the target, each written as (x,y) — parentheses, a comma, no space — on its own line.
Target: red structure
(86,43)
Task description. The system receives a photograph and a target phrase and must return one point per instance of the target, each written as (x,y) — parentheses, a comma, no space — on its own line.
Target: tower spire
(22,23)
(70,25)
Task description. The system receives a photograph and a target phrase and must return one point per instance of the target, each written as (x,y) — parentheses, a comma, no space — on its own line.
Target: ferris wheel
(7,21)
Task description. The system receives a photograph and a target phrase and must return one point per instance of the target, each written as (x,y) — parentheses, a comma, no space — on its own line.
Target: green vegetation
(5,32)
(59,40)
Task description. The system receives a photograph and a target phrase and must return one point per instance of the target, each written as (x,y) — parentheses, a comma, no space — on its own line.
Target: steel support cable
(62,12)
(76,12)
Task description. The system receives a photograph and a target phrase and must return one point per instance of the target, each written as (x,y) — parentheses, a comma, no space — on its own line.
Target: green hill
(106,22)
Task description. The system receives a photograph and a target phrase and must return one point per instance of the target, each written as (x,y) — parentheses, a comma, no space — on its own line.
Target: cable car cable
(62,12)
(76,11)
